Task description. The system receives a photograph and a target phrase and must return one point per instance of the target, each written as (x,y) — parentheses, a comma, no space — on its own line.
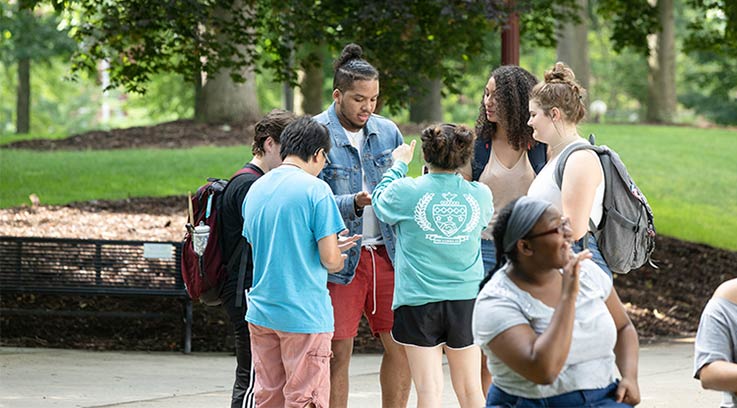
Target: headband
(524,216)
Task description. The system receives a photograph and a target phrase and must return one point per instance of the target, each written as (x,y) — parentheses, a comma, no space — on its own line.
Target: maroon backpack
(204,273)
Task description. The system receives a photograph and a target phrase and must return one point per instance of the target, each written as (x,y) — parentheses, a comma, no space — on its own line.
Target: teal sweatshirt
(438,220)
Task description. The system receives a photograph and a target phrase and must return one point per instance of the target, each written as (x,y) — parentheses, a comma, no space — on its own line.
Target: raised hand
(571,273)
(404,152)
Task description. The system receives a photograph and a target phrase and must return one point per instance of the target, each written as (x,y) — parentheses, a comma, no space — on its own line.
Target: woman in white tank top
(556,108)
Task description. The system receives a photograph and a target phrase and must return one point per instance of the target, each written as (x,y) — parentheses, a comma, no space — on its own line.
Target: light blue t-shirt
(286,212)
(438,220)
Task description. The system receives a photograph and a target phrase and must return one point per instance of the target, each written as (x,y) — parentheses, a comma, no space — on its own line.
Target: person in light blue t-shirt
(292,222)
(438,220)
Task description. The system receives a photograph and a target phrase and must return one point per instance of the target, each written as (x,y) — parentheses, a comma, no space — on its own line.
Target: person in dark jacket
(266,144)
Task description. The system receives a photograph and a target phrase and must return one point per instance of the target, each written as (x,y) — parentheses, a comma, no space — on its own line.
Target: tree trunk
(23,97)
(222,100)
(427,106)
(311,89)
(661,106)
(573,45)
(287,88)
(288,96)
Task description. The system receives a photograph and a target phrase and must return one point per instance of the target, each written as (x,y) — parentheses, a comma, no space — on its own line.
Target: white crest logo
(449,216)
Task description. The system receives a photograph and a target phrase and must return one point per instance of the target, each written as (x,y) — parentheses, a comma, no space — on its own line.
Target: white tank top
(545,187)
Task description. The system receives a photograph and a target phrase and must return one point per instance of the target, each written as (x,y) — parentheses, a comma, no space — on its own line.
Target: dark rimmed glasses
(324,154)
(565,223)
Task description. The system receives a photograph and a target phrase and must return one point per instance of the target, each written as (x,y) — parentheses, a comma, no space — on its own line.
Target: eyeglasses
(565,223)
(325,155)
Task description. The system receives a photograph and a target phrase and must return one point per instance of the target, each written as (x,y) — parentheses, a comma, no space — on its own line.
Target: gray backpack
(626,233)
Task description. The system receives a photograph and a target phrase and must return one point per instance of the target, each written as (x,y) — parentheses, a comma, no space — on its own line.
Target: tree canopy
(33,36)
(408,41)
(714,27)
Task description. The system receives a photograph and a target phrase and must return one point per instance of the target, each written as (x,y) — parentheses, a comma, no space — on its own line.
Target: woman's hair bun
(464,136)
(434,134)
(560,73)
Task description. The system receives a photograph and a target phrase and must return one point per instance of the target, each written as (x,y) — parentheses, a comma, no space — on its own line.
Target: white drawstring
(371,249)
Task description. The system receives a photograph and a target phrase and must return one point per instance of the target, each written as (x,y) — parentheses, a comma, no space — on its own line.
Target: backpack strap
(244,254)
(561,166)
(563,158)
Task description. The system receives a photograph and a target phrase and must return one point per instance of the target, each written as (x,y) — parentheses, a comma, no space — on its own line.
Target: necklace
(292,164)
(554,150)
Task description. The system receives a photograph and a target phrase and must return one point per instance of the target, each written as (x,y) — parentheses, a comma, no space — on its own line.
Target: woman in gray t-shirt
(550,322)
(715,350)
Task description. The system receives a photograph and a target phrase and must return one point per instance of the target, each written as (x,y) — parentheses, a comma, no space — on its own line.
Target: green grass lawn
(689,175)
(66,176)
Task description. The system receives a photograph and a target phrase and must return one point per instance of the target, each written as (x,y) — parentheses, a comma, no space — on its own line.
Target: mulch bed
(664,302)
(169,135)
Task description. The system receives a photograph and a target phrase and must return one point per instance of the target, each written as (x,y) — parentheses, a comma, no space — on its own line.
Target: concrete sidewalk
(31,377)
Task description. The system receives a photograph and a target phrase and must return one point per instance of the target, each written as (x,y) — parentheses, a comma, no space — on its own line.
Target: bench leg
(187,326)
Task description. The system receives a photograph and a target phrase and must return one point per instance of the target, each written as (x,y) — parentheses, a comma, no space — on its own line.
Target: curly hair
(447,146)
(560,89)
(350,67)
(513,86)
(271,126)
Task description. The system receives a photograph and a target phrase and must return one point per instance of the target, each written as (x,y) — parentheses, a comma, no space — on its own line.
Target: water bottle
(200,237)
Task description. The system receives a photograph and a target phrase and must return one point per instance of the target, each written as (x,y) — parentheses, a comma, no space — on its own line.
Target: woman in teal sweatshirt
(437,219)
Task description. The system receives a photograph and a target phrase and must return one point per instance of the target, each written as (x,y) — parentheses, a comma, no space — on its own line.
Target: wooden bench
(95,267)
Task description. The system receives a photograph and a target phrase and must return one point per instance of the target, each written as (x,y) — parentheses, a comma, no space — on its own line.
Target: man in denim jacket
(361,153)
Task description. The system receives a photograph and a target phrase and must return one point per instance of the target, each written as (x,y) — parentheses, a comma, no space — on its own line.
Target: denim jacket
(344,176)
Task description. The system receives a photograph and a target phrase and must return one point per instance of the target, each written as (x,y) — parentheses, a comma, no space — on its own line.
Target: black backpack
(626,233)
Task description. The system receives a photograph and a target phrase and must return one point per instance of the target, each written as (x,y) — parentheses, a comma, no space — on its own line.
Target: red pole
(510,41)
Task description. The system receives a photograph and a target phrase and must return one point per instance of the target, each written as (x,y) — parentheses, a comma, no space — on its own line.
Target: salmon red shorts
(370,293)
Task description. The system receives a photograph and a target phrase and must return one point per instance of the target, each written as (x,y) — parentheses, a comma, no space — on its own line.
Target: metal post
(187,326)
(510,39)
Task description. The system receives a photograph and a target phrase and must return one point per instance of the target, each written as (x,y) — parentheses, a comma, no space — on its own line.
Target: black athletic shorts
(447,322)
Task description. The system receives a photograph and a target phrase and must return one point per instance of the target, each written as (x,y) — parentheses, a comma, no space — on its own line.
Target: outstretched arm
(384,207)
(331,250)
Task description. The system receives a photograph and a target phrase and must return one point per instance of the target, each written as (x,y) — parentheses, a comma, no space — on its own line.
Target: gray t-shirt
(501,304)
(716,339)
